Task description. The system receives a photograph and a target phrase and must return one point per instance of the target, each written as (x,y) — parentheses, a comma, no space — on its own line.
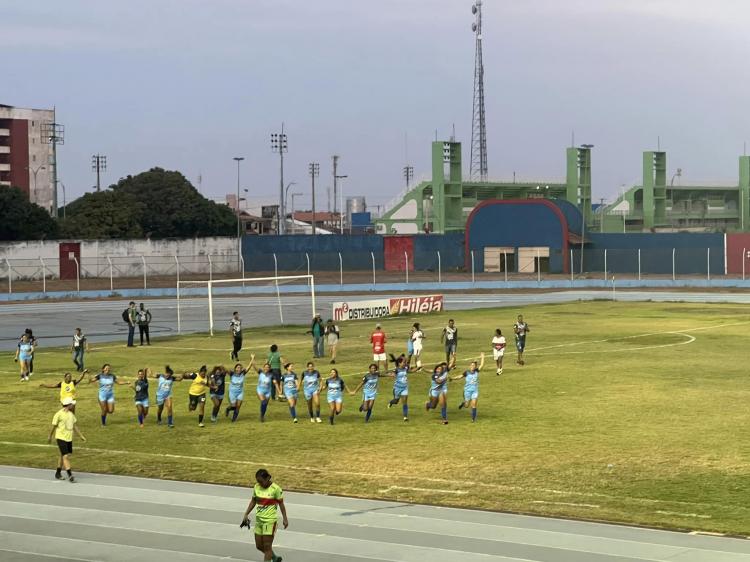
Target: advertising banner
(380,308)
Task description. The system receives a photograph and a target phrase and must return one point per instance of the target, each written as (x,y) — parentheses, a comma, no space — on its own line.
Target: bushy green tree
(22,220)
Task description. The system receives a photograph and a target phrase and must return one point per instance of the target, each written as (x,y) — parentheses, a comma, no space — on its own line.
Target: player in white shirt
(498,350)
(417,336)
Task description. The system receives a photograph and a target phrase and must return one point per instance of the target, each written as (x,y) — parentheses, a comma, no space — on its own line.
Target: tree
(22,220)
(155,204)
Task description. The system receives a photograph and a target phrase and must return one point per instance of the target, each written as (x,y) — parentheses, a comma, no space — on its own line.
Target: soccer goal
(253,297)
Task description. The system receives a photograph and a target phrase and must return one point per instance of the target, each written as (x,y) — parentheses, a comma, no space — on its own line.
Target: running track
(53,322)
(106,518)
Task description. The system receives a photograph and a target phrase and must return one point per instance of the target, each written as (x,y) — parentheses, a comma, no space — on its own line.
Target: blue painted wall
(450,246)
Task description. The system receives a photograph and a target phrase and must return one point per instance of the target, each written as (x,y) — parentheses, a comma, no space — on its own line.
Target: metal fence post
(605,264)
(307,256)
(744,257)
(44,275)
(341,271)
(505,266)
(275,266)
(143,259)
(472,267)
(372,255)
(177,265)
(673,265)
(210,271)
(78,274)
(406,265)
(538,267)
(708,264)
(440,267)
(571,266)
(639,264)
(10,276)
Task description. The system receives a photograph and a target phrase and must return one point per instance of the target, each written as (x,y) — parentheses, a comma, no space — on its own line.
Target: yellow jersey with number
(67,390)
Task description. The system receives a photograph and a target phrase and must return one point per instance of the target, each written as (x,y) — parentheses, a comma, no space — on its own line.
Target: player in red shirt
(378,339)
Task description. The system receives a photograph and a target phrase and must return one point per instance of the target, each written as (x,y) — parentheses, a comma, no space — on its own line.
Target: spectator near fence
(144,319)
(332,335)
(317,330)
(129,316)
(79,346)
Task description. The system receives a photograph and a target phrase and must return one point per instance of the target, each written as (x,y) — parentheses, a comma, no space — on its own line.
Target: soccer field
(630,412)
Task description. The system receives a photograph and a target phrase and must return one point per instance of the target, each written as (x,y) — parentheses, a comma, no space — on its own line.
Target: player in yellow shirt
(63,426)
(67,388)
(268,497)
(197,392)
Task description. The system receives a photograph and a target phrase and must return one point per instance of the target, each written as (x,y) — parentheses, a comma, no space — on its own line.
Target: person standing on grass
(267,497)
(107,380)
(409,348)
(197,392)
(317,330)
(67,388)
(400,385)
(132,316)
(24,353)
(520,328)
(291,383)
(335,389)
(311,388)
(264,389)
(237,388)
(498,350)
(417,336)
(140,386)
(369,386)
(80,344)
(378,340)
(64,423)
(439,391)
(235,331)
(32,339)
(450,337)
(143,316)
(332,339)
(471,387)
(275,360)
(217,381)
(164,386)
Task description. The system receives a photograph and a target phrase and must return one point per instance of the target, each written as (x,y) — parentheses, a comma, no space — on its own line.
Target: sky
(190,84)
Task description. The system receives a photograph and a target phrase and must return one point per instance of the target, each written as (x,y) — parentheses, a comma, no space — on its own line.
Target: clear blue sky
(188,84)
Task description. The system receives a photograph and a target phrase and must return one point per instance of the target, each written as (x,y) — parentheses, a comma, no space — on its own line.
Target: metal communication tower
(98,165)
(478,170)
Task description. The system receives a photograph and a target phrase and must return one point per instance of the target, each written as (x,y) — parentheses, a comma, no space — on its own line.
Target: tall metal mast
(478,170)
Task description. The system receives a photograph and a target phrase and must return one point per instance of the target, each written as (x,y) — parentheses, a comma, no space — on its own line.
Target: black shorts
(66,447)
(195,400)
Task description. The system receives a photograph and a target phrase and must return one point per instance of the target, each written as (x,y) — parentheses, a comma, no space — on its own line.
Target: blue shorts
(106,396)
(161,398)
(264,392)
(291,393)
(450,347)
(435,392)
(370,395)
(236,394)
(143,403)
(309,392)
(400,390)
(23,357)
(335,397)
(217,396)
(521,343)
(410,348)
(471,394)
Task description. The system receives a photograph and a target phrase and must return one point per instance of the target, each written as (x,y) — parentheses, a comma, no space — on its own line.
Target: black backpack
(126,315)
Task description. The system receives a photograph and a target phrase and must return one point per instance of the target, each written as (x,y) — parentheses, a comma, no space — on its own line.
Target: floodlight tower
(478,170)
(98,165)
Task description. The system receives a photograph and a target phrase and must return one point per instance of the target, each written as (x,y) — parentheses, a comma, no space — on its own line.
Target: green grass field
(632,413)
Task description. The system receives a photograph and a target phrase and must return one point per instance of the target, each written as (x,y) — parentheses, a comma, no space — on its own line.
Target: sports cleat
(226,411)
(312,420)
(361,407)
(318,420)
(295,420)
(214,419)
(58,476)
(170,426)
(406,419)
(445,422)
(201,424)
(427,406)
(140,425)
(72,479)
(462,405)
(390,405)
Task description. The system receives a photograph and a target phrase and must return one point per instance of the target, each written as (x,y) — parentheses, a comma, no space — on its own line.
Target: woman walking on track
(471,387)
(439,391)
(268,498)
(140,386)
(290,382)
(64,423)
(311,387)
(335,394)
(498,351)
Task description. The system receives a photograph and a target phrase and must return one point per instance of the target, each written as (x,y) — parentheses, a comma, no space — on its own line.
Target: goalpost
(241,287)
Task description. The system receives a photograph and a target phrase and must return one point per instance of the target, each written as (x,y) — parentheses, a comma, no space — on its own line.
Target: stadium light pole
(314,171)
(341,210)
(238,159)
(279,144)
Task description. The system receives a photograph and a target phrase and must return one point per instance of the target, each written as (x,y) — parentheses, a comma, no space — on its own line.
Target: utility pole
(279,144)
(98,165)
(335,186)
(314,170)
(238,159)
(54,134)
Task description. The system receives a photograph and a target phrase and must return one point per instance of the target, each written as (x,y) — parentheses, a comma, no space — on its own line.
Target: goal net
(261,301)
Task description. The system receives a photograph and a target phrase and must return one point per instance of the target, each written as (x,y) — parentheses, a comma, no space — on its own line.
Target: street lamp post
(35,171)
(314,170)
(64,202)
(238,159)
(286,197)
(279,144)
(341,209)
(294,194)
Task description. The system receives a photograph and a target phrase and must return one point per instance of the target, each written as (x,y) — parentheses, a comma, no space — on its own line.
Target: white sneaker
(318,420)
(312,420)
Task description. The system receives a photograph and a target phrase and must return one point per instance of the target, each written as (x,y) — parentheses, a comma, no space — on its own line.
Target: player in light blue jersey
(264,389)
(107,381)
(439,391)
(400,384)
(471,386)
(335,394)
(237,388)
(164,394)
(311,384)
(369,386)
(290,383)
